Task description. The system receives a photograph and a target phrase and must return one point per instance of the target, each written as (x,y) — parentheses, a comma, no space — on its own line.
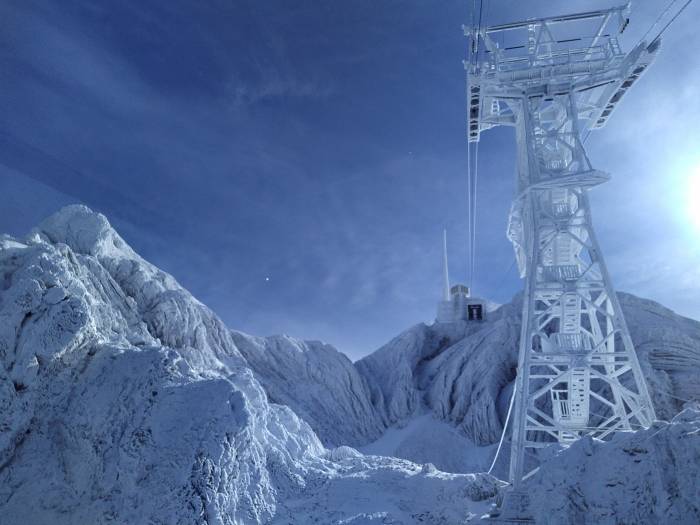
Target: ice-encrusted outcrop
(668,346)
(171,314)
(109,372)
(462,374)
(318,382)
(367,490)
(645,477)
(455,370)
(125,400)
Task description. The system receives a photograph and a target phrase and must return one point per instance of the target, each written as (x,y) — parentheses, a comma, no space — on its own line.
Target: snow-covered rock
(125,400)
(428,439)
(668,346)
(318,382)
(170,313)
(645,477)
(461,373)
(456,370)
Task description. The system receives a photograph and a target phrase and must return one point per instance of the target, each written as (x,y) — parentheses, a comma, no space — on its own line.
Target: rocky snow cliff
(642,478)
(125,400)
(319,382)
(462,374)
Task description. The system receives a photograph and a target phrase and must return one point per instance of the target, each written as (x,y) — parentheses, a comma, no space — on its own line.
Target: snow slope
(318,382)
(457,371)
(427,439)
(442,390)
(125,400)
(460,373)
(646,477)
(467,381)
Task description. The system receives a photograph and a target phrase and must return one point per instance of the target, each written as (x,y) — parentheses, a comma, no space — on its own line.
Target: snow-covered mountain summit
(451,383)
(123,399)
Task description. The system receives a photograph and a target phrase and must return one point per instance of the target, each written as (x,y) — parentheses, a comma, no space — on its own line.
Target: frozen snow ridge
(123,399)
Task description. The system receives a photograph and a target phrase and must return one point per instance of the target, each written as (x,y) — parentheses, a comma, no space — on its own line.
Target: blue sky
(293,163)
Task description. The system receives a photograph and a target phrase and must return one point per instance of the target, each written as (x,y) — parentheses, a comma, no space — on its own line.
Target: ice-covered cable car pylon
(554,79)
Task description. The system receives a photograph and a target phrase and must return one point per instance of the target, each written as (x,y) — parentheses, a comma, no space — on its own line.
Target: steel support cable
(505,427)
(658,18)
(658,35)
(472,48)
(663,13)
(503,278)
(473,218)
(488,10)
(510,403)
(471,53)
(673,19)
(481,12)
(473,180)
(478,27)
(469,207)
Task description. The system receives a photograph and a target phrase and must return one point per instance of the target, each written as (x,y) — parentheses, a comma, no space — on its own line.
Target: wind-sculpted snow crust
(455,370)
(318,382)
(125,400)
(645,477)
(461,373)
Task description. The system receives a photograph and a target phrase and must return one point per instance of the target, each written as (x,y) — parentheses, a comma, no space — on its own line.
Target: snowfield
(123,399)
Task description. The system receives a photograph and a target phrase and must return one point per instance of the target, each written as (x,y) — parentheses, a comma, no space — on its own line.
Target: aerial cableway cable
(473,209)
(472,174)
(673,19)
(658,18)
(469,210)
(471,49)
(658,35)
(472,186)
(668,24)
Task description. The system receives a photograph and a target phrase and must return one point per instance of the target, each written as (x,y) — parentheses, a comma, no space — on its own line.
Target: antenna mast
(445,272)
(553,79)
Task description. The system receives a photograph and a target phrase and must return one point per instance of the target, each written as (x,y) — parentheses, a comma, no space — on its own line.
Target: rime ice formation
(456,370)
(125,400)
(645,477)
(462,373)
(319,382)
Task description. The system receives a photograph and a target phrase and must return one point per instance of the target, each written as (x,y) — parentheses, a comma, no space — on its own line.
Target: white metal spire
(445,270)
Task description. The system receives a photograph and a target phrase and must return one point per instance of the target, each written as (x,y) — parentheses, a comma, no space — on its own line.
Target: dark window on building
(475,312)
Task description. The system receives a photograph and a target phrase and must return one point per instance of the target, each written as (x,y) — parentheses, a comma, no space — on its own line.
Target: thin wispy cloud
(294,165)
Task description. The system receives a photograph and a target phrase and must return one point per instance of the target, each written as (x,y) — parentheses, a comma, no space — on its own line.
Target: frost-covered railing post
(554,79)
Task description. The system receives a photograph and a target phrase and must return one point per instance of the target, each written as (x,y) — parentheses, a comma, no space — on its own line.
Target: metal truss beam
(578,373)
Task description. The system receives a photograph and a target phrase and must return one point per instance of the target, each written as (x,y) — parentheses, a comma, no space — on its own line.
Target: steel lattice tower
(555,79)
